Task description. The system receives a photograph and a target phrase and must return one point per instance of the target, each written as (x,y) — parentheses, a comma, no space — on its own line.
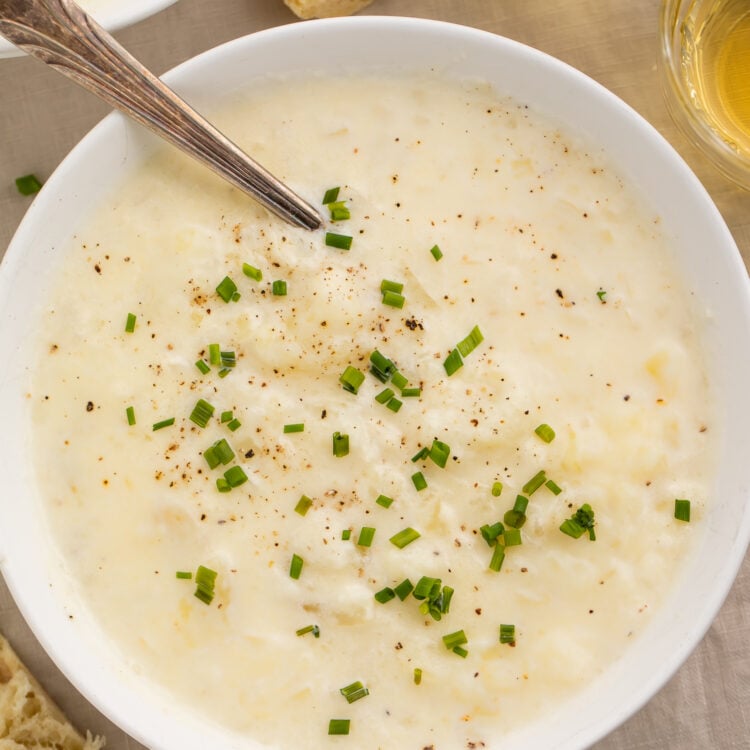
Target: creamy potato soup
(414,482)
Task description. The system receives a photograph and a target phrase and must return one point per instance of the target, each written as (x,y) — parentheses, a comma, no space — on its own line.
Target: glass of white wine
(705,67)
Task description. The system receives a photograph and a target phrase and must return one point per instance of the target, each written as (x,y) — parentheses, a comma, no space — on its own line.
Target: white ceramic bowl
(710,260)
(113,15)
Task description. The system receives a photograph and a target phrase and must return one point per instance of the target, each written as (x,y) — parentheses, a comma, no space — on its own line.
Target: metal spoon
(61,34)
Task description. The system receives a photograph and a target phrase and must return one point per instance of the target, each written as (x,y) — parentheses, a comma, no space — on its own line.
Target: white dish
(113,15)
(711,264)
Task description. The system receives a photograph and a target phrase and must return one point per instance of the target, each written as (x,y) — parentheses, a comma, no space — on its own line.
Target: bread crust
(325,8)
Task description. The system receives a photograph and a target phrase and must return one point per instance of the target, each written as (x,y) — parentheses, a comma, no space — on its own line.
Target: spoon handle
(62,35)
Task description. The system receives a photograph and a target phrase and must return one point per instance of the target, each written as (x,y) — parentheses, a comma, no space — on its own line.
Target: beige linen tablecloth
(706,706)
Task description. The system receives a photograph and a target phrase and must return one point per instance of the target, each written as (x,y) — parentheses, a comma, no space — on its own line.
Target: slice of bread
(325,8)
(29,719)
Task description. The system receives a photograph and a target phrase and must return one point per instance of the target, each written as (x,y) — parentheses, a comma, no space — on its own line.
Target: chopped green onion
(346,534)
(303,505)
(214,354)
(205,582)
(453,362)
(521,503)
(384,396)
(252,272)
(394,404)
(455,639)
(498,555)
(384,500)
(340,241)
(534,483)
(366,535)
(354,692)
(340,445)
(417,676)
(497,489)
(202,366)
(422,454)
(439,453)
(314,629)
(222,485)
(339,211)
(466,346)
(382,367)
(338,726)
(404,537)
(228,359)
(419,481)
(514,519)
(552,487)
(601,294)
(391,286)
(202,412)
(295,568)
(331,195)
(512,537)
(235,476)
(184,574)
(211,458)
(411,392)
(682,510)
(278,288)
(445,599)
(28,184)
(404,589)
(130,323)
(164,423)
(581,521)
(226,289)
(235,424)
(226,416)
(507,634)
(352,379)
(236,297)
(427,588)
(460,651)
(491,533)
(385,595)
(437,253)
(223,451)
(399,380)
(130,414)
(571,527)
(296,427)
(393,299)
(545,432)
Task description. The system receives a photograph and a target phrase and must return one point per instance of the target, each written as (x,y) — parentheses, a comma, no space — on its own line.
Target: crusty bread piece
(29,720)
(325,8)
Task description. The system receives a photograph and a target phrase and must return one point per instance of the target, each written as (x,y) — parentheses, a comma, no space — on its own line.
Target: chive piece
(223,485)
(404,537)
(394,404)
(545,432)
(235,476)
(228,359)
(130,323)
(384,500)
(498,555)
(352,379)
(226,289)
(521,503)
(601,294)
(534,483)
(497,489)
(393,299)
(455,639)
(28,184)
(411,392)
(437,253)
(391,286)
(514,519)
(339,212)
(252,272)
(491,533)
(507,634)
(205,582)
(682,510)
(382,367)
(399,380)
(223,451)
(472,341)
(303,505)
(572,528)
(423,453)
(331,195)
(512,537)
(235,424)
(164,423)
(211,458)
(346,534)
(581,521)
(338,726)
(278,288)
(404,589)
(445,599)
(203,367)
(426,586)
(340,241)
(296,427)
(130,414)
(226,416)
(417,676)
(314,629)
(214,354)
(354,692)
(384,396)
(202,412)
(440,452)
(366,535)
(184,574)
(453,362)
(385,595)
(295,568)
(552,487)
(236,297)
(224,372)
(460,651)
(340,445)
(419,481)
